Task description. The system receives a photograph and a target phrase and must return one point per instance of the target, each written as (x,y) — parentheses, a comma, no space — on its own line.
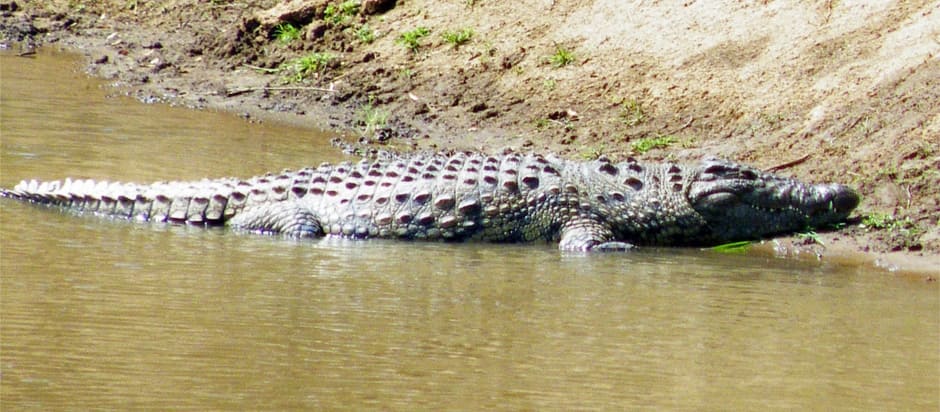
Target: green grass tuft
(878,221)
(303,67)
(339,13)
(644,145)
(412,39)
(286,33)
(632,112)
(562,57)
(457,38)
(365,34)
(884,221)
(549,84)
(371,118)
(593,152)
(811,235)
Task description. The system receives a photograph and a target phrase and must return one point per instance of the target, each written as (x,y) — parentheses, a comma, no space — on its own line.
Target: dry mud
(830,90)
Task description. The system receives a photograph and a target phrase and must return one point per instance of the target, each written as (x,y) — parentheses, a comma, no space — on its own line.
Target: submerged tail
(209,202)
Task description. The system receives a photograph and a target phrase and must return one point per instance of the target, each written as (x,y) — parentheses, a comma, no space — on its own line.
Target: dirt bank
(823,90)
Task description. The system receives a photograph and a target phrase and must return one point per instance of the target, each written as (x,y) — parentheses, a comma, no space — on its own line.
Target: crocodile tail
(209,202)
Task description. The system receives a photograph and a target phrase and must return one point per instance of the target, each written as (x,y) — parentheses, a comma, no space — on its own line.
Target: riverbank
(822,91)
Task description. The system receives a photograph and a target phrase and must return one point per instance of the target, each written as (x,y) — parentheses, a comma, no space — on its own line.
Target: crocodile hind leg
(585,234)
(285,218)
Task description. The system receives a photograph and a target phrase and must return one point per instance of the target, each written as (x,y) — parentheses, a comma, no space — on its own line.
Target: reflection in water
(103,313)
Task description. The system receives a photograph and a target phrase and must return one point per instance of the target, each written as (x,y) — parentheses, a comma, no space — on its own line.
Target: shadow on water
(98,313)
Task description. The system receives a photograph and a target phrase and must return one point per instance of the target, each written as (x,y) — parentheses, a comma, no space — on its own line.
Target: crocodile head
(739,202)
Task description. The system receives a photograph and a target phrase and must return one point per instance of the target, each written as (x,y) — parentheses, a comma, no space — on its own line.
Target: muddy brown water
(98,313)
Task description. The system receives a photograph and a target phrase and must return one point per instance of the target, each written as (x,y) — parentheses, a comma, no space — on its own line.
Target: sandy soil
(829,90)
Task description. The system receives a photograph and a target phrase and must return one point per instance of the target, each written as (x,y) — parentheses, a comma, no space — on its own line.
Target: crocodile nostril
(845,199)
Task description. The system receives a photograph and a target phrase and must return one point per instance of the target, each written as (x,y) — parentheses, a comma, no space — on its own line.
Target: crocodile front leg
(286,218)
(585,234)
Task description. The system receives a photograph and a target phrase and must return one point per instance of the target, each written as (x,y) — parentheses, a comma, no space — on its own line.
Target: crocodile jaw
(739,202)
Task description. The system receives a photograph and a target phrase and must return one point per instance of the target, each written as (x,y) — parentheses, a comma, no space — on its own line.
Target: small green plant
(632,112)
(562,57)
(371,118)
(488,52)
(339,13)
(303,67)
(566,123)
(884,221)
(549,84)
(457,38)
(904,233)
(365,34)
(412,39)
(332,15)
(867,125)
(812,236)
(406,73)
(646,144)
(350,8)
(541,123)
(593,152)
(878,221)
(925,150)
(286,33)
(76,5)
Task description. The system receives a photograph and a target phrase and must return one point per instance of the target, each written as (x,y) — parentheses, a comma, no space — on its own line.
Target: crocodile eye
(749,175)
(721,199)
(717,169)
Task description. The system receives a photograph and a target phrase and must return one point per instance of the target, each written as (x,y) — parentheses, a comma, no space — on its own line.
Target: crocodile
(591,205)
